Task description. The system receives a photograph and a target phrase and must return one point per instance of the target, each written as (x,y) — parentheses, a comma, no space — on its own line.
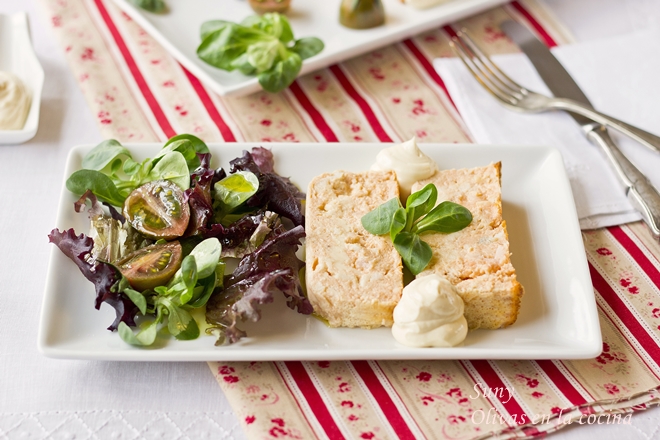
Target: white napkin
(620,76)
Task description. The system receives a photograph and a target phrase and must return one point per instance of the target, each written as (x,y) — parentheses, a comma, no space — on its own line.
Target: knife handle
(639,190)
(645,138)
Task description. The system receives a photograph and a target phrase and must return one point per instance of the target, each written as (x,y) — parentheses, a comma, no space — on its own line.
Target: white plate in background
(17,56)
(558,317)
(178,31)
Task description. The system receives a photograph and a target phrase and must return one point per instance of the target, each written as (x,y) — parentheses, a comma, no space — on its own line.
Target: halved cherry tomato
(157,209)
(151,266)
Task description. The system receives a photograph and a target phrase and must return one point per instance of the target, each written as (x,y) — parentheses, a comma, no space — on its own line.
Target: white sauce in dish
(429,314)
(14,102)
(408,162)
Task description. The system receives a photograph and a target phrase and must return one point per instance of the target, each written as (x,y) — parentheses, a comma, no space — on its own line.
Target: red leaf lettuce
(272,267)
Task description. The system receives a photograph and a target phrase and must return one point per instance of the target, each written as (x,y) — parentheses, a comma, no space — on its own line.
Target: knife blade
(562,85)
(558,80)
(639,190)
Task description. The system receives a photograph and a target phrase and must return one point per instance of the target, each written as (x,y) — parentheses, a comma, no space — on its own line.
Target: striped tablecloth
(139,93)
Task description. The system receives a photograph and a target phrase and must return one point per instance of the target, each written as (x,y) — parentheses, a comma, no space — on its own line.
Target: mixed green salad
(163,229)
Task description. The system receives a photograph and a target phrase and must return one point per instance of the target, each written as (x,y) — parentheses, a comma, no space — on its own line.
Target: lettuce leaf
(240,301)
(263,157)
(244,235)
(105,277)
(275,253)
(199,196)
(273,267)
(276,193)
(113,238)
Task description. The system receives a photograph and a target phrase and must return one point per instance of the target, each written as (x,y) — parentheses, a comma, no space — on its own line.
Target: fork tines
(491,77)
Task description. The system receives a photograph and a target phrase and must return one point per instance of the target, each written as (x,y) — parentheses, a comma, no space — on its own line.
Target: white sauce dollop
(14,102)
(429,314)
(408,162)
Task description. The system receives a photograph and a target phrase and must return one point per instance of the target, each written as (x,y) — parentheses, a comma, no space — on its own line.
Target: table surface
(39,393)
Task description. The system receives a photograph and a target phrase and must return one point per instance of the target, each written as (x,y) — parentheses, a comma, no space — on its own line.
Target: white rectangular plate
(558,317)
(178,31)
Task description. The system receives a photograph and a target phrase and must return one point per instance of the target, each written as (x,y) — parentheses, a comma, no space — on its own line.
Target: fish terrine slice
(354,278)
(476,260)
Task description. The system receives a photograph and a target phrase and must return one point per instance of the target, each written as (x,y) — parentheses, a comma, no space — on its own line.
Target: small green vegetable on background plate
(260,45)
(361,14)
(155,6)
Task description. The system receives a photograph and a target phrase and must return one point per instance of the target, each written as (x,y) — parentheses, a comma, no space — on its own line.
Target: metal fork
(639,190)
(516,97)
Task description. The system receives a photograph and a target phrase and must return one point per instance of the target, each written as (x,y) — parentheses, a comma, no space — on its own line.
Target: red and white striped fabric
(140,93)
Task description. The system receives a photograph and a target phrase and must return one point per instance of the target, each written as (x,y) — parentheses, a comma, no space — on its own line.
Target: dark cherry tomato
(157,209)
(151,266)
(263,6)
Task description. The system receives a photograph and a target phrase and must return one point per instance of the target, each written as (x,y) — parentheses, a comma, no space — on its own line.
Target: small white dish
(17,56)
(558,317)
(178,31)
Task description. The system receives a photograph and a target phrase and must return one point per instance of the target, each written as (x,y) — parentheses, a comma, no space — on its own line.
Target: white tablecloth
(45,398)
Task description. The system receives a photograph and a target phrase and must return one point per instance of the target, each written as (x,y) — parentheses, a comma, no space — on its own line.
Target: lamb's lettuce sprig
(259,45)
(111,173)
(155,6)
(405,225)
(230,195)
(191,287)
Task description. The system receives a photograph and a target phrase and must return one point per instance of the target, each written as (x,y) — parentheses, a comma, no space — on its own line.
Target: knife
(639,190)
(563,86)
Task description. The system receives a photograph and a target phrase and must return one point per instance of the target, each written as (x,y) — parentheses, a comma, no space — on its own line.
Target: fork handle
(639,190)
(645,138)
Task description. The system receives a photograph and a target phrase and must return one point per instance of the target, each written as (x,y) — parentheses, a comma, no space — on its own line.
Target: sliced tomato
(157,209)
(151,266)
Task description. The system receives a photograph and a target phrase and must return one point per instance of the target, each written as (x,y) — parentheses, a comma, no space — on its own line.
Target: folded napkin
(620,78)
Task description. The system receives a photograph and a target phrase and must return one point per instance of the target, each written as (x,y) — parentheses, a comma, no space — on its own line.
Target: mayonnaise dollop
(429,314)
(408,162)
(14,102)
